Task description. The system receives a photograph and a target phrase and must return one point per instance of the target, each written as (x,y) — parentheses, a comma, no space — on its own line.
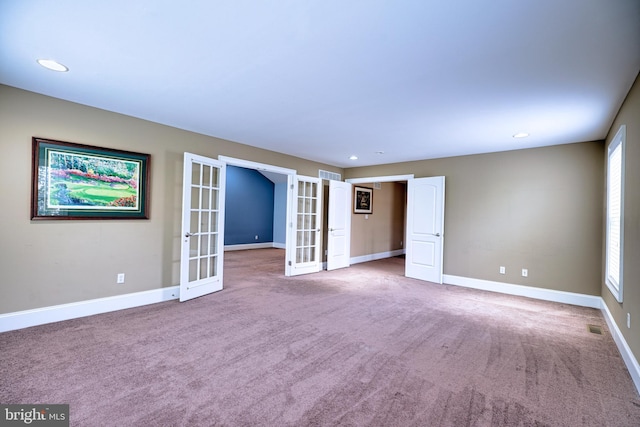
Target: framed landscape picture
(362,200)
(76,181)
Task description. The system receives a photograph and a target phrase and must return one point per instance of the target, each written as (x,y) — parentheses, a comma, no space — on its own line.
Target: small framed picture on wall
(362,200)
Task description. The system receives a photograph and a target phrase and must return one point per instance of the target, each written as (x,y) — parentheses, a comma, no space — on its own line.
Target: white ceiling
(326,79)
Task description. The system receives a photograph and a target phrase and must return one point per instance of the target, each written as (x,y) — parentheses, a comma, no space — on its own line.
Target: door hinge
(290,263)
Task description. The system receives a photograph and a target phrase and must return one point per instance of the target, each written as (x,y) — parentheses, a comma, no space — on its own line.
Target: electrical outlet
(525,272)
(629,320)
(120,278)
(256,237)
(503,270)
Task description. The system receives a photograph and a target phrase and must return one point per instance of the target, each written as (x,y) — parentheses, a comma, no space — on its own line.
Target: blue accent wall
(280,213)
(249,207)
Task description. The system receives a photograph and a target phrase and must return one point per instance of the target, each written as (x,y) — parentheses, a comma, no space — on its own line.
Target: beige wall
(629,115)
(539,209)
(383,230)
(46,263)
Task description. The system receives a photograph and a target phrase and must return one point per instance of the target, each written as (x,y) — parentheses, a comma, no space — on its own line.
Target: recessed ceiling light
(353,158)
(52,65)
(521,135)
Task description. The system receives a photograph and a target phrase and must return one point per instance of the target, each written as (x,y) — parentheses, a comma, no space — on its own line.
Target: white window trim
(616,288)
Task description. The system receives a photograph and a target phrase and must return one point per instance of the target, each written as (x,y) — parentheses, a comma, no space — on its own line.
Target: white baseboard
(370,257)
(562,297)
(279,245)
(249,246)
(373,257)
(57,313)
(526,291)
(627,355)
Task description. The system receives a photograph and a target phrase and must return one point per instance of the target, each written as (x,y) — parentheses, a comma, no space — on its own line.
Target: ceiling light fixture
(521,135)
(52,65)
(353,158)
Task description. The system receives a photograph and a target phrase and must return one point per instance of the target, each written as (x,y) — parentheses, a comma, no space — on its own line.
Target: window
(615,211)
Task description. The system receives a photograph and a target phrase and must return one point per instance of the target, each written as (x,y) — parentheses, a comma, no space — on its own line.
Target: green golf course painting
(85,182)
(79,181)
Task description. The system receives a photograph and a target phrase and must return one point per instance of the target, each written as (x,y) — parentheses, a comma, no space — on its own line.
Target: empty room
(307,213)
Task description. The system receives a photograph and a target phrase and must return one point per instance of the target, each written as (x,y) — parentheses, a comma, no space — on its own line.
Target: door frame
(389,178)
(290,173)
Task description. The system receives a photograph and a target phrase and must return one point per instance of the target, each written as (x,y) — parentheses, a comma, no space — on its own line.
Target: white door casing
(304,242)
(339,235)
(425,228)
(202,236)
(263,167)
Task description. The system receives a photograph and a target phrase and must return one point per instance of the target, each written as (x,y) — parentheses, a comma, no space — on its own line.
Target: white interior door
(304,243)
(339,236)
(425,228)
(202,226)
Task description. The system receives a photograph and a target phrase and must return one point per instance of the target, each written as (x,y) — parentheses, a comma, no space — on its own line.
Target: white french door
(339,235)
(202,226)
(304,243)
(425,228)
